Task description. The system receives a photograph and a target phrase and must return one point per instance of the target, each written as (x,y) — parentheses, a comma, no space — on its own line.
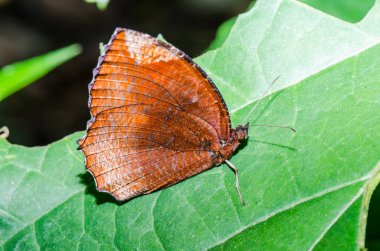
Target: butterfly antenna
(276,126)
(236,181)
(261,99)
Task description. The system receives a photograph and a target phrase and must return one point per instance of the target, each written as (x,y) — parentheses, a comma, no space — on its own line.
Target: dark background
(56,105)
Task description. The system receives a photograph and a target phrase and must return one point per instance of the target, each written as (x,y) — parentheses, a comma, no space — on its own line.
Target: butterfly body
(226,149)
(156,118)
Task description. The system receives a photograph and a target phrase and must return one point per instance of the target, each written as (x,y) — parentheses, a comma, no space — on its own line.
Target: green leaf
(222,33)
(19,75)
(100,4)
(224,30)
(348,10)
(301,189)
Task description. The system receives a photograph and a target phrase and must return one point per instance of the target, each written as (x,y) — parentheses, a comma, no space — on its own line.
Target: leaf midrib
(295,204)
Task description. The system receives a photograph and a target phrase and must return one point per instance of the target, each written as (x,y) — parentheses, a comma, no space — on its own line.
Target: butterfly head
(241,132)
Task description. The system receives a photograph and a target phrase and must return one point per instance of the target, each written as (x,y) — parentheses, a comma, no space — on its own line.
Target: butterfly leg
(237,180)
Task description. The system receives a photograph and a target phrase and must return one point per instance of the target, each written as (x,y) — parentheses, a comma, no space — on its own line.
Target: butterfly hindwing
(140,148)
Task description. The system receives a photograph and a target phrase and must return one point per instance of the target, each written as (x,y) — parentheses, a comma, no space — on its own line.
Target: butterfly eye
(242,134)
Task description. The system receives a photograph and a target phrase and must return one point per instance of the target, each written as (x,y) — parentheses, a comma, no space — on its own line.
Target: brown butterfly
(156,118)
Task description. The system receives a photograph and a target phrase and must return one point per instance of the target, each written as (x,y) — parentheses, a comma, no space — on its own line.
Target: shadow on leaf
(101,197)
(275,144)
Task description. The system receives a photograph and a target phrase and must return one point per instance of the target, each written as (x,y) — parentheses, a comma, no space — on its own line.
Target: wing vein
(181,125)
(124,185)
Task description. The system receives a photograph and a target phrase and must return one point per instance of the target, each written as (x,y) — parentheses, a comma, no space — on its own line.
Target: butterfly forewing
(138,68)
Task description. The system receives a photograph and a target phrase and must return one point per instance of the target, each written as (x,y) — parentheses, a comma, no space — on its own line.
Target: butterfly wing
(139,148)
(138,68)
(132,153)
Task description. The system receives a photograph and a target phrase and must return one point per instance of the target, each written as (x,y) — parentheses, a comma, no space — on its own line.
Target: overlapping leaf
(19,75)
